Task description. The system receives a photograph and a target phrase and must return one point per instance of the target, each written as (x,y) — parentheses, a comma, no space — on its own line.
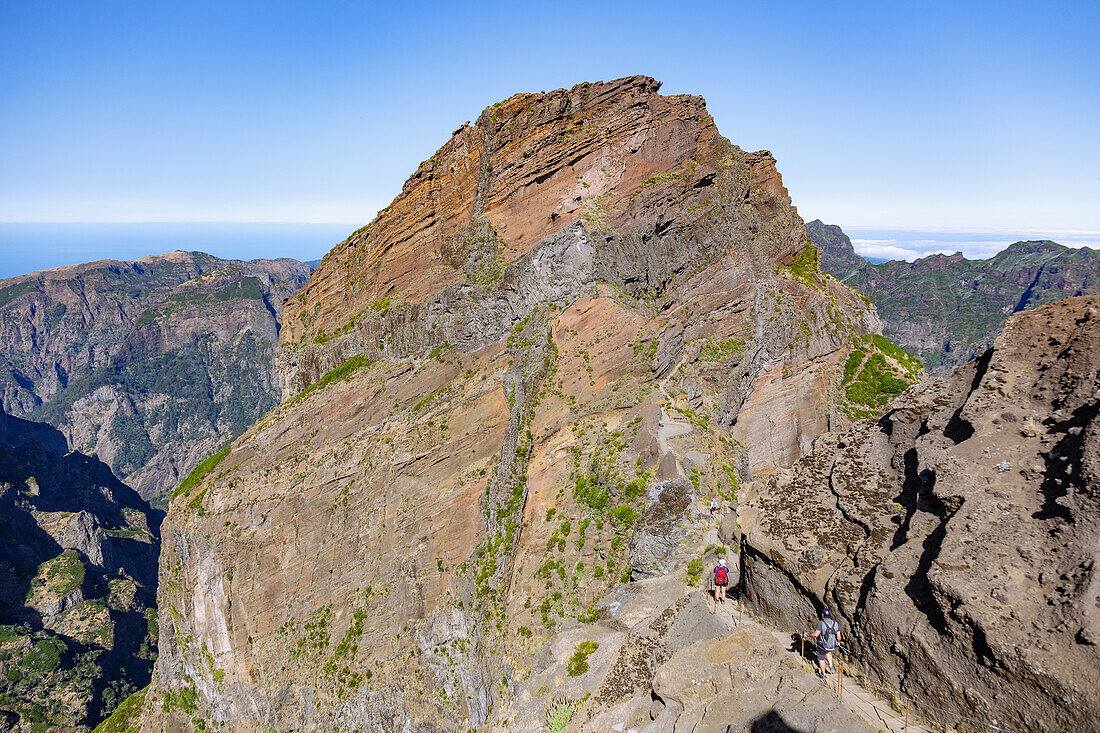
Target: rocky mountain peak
(584,318)
(838,256)
(625,162)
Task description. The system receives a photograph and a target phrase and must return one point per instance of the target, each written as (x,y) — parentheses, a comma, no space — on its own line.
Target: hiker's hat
(722,561)
(825,613)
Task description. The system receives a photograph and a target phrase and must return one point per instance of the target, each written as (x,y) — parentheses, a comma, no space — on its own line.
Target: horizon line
(884,227)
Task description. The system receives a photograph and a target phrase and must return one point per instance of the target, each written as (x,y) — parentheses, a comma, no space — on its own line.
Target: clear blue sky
(977,116)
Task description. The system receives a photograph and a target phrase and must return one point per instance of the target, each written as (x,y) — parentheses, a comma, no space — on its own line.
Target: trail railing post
(906,717)
(840,681)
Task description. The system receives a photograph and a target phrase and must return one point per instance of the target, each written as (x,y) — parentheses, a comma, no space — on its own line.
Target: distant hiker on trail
(827,634)
(713,506)
(721,580)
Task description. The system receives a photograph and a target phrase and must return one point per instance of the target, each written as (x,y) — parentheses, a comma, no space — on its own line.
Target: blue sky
(968,117)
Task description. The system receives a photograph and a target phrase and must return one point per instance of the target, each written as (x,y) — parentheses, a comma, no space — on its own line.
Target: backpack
(827,640)
(721,575)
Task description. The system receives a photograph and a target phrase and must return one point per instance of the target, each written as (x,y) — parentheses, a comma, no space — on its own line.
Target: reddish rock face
(617,155)
(585,302)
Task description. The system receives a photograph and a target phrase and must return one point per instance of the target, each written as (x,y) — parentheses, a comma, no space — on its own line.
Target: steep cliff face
(505,396)
(947,309)
(78,576)
(956,537)
(148,364)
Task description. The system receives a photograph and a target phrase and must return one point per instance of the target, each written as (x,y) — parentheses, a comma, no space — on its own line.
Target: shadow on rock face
(772,722)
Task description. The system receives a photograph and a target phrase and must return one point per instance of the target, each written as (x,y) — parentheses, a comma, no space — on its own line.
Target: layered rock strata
(956,537)
(505,396)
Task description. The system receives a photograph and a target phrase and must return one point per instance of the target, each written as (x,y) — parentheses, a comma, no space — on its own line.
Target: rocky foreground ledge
(957,537)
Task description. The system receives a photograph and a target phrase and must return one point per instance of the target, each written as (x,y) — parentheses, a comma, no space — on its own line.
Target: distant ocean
(28,247)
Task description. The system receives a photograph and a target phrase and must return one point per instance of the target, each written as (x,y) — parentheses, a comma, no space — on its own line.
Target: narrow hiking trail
(670,428)
(861,701)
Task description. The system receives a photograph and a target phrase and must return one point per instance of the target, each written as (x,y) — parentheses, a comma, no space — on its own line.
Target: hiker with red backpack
(721,580)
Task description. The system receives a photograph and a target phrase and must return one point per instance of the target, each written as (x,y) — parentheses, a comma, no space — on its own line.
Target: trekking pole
(906,717)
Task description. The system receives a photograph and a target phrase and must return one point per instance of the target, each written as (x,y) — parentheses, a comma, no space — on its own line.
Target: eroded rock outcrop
(957,537)
(473,445)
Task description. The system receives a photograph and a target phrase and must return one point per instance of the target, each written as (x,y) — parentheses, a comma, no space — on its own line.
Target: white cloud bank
(909,246)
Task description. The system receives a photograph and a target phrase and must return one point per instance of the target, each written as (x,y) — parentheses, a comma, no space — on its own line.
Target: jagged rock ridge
(78,579)
(956,537)
(149,364)
(472,447)
(947,309)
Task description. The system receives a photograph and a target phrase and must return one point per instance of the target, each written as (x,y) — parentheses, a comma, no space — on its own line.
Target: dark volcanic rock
(956,537)
(947,309)
(78,579)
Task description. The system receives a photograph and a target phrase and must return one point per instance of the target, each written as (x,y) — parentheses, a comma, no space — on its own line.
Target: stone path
(858,699)
(671,429)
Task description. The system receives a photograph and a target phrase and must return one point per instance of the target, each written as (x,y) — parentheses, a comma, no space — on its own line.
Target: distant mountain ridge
(946,309)
(150,364)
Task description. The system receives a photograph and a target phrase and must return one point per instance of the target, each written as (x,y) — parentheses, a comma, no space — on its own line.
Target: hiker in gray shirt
(827,634)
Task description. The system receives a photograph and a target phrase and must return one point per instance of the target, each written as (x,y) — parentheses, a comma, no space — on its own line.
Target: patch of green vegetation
(438,351)
(247,288)
(645,350)
(851,364)
(58,576)
(43,657)
(200,472)
(350,643)
(11,292)
(195,504)
(805,267)
(590,494)
(594,212)
(623,516)
(588,616)
(558,714)
(184,699)
(871,382)
(721,350)
(126,717)
(903,357)
(694,570)
(429,398)
(335,375)
(578,663)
